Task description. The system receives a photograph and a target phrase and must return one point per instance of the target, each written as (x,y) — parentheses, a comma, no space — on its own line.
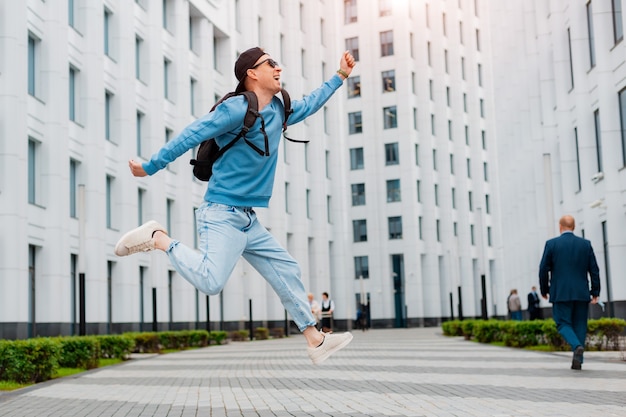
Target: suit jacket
(564,266)
(533,301)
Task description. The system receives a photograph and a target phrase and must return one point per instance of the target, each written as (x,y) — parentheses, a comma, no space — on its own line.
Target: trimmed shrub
(116,346)
(604,333)
(79,352)
(487,331)
(218,336)
(277,332)
(467,328)
(261,333)
(523,333)
(146,342)
(198,338)
(239,335)
(28,361)
(452,328)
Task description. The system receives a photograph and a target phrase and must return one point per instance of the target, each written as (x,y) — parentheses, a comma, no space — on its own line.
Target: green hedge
(29,361)
(38,359)
(603,334)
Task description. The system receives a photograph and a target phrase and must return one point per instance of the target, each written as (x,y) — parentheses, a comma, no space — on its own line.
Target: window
(463,68)
(438,229)
(361,267)
(33,174)
(108,104)
(141,197)
(352,45)
(167,64)
(472,240)
(349,11)
(592,50)
(618,29)
(413,83)
(386,43)
(483,138)
(390,117)
(393,191)
(622,117)
(481,105)
(450,130)
(419,191)
(420,228)
(389,81)
(415,118)
(467,138)
(570,62)
(488,235)
(358,194)
(354,87)
(329,211)
(596,119)
(73,188)
(167,15)
(452,164)
(355,122)
(356,158)
(391,154)
(308,204)
(33,64)
(395,227)
(109,201)
(428,54)
(445,61)
(436,194)
(71,13)
(138,56)
(487,204)
(468,162)
(107,32)
(477,40)
(139,133)
(432,125)
(480,75)
(287,198)
(417,155)
(461,32)
(384,7)
(577,152)
(485,171)
(72,93)
(434,159)
(431,90)
(470,197)
(447,96)
(193,87)
(453,197)
(359,230)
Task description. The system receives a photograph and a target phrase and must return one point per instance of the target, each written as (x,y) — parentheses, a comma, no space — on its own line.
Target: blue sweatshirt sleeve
(223,119)
(314,101)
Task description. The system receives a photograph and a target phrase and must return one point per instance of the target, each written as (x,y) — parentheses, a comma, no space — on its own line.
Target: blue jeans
(516,315)
(225,234)
(571,321)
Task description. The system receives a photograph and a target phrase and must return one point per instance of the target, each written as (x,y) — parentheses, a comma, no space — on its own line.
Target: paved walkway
(400,372)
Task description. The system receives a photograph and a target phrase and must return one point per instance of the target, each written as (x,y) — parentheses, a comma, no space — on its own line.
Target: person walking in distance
(534,309)
(515,305)
(567,263)
(242,179)
(328,306)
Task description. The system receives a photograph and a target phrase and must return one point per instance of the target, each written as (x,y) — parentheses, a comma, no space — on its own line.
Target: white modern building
(429,184)
(560,99)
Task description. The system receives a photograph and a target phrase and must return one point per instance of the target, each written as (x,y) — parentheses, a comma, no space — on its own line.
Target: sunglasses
(270,61)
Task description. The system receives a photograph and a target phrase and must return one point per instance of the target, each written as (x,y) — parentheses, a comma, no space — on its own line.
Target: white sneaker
(331,344)
(139,239)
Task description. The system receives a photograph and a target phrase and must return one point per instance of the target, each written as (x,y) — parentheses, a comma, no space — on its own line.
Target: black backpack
(209,152)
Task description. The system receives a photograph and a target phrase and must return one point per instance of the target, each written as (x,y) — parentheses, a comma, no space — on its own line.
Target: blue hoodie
(241,177)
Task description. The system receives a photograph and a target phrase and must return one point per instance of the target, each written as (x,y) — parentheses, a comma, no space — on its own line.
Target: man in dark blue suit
(563,273)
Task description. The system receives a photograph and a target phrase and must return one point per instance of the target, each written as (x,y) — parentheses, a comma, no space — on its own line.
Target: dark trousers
(571,321)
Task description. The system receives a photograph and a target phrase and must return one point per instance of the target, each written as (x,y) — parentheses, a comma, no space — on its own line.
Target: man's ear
(252,74)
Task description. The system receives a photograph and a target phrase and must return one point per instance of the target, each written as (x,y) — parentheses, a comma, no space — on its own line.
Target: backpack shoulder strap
(287,106)
(253,109)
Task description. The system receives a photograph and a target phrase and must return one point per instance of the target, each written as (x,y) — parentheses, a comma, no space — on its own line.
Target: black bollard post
(251,326)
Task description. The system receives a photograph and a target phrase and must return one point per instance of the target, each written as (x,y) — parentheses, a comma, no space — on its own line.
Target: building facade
(560,97)
(403,199)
